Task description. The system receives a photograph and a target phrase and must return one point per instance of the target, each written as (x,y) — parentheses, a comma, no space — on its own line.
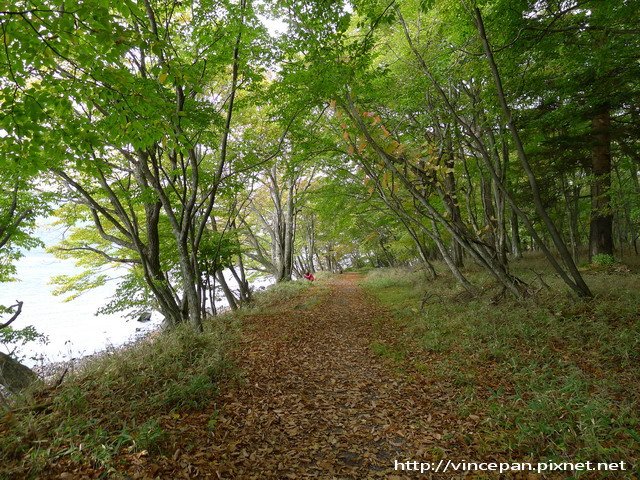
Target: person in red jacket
(309,276)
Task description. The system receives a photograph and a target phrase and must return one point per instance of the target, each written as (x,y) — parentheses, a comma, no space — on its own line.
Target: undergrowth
(552,376)
(117,402)
(125,402)
(276,294)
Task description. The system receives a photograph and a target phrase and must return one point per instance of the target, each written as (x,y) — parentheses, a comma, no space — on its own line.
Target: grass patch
(276,295)
(118,403)
(387,351)
(552,377)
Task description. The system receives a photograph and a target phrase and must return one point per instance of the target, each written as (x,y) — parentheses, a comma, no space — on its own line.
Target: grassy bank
(551,377)
(126,404)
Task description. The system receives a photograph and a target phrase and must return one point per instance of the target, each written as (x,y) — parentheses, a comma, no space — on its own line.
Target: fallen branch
(540,279)
(426,298)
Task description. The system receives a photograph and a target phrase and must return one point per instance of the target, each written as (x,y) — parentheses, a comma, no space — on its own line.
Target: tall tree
(144,131)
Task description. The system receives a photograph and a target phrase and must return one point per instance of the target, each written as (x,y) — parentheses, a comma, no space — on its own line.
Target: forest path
(317,402)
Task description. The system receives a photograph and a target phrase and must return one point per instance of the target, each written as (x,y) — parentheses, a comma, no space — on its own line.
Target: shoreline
(53,371)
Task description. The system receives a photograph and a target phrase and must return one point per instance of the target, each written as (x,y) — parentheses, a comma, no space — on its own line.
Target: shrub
(603,260)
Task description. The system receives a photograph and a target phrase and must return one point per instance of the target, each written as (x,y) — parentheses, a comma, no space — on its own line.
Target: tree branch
(100,252)
(15,315)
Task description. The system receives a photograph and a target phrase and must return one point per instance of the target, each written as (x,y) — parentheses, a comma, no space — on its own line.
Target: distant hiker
(309,276)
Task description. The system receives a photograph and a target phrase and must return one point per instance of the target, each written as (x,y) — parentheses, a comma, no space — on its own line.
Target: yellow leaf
(163,77)
(391,148)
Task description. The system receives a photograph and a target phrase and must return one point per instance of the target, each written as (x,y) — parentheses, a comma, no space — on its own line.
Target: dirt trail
(317,402)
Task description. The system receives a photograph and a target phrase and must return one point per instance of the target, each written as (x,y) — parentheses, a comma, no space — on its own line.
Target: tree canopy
(181,140)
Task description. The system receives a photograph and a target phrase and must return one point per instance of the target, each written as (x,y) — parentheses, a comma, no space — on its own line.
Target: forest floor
(317,401)
(341,378)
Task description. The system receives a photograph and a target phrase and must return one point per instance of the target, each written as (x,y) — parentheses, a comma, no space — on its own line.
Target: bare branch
(15,315)
(100,252)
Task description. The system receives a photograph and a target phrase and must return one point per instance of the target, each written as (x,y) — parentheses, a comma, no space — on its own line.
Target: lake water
(72,327)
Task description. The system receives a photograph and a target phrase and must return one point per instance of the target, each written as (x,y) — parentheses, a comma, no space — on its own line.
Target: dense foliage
(187,148)
(180,140)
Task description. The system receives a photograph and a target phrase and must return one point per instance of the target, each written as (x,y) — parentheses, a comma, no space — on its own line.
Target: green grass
(552,376)
(275,295)
(391,352)
(118,401)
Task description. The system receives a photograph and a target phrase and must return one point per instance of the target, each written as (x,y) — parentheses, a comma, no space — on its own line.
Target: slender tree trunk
(571,199)
(451,197)
(422,250)
(243,290)
(458,275)
(516,245)
(244,283)
(289,233)
(500,201)
(489,211)
(576,282)
(231,299)
(636,183)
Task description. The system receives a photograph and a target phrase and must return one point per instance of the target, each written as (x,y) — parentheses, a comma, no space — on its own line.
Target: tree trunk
(572,276)
(489,212)
(233,304)
(571,198)
(516,245)
(451,198)
(422,250)
(311,243)
(243,283)
(289,234)
(190,293)
(500,201)
(601,224)
(458,275)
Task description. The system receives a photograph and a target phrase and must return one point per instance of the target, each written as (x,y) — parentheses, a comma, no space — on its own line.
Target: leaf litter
(315,402)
